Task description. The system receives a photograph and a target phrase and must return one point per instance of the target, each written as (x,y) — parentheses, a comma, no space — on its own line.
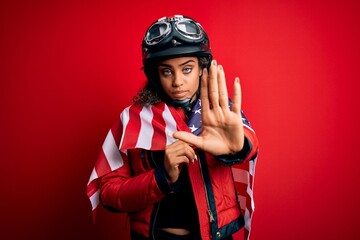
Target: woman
(169,161)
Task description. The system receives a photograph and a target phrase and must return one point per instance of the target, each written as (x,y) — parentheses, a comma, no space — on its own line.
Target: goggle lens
(157,32)
(186,27)
(189,29)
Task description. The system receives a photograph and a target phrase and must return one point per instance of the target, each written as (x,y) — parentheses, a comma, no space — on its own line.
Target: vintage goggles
(184,28)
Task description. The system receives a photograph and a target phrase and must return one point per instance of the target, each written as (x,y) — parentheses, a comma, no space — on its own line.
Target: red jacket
(135,188)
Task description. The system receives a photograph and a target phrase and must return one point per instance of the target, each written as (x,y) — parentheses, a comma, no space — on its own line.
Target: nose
(177,80)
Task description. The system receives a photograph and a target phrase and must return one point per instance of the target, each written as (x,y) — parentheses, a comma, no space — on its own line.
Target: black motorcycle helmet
(177,36)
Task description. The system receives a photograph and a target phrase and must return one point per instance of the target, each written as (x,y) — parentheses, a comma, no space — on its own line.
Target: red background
(68,67)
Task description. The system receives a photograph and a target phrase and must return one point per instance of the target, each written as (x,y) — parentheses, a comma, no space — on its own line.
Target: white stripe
(250,192)
(146,131)
(92,176)
(170,125)
(252,165)
(240,175)
(111,151)
(249,128)
(242,201)
(124,116)
(94,199)
(247,219)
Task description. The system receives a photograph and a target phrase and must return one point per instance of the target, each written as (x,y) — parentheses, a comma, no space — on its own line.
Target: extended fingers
(236,106)
(213,89)
(214,93)
(205,103)
(223,94)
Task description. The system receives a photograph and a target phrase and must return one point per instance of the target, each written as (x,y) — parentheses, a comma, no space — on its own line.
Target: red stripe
(94,215)
(251,181)
(246,233)
(248,205)
(158,123)
(179,117)
(241,188)
(116,131)
(92,188)
(131,133)
(102,166)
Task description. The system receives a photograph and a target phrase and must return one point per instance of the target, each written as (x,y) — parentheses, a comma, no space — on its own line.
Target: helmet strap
(186,104)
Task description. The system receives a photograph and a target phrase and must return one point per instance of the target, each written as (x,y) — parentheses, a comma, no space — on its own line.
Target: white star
(193,128)
(198,111)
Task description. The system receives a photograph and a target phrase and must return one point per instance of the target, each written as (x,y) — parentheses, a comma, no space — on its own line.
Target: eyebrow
(181,64)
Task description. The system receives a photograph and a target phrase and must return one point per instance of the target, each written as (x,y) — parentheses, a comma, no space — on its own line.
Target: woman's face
(179,77)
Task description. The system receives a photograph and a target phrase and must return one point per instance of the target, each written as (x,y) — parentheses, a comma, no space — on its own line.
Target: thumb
(189,138)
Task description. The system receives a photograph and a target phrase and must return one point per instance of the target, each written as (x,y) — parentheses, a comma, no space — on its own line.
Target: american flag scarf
(150,128)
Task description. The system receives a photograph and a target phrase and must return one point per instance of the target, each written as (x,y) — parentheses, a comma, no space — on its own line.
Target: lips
(179,94)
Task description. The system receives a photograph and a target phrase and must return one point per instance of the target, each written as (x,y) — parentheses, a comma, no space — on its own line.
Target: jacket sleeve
(122,192)
(250,147)
(121,189)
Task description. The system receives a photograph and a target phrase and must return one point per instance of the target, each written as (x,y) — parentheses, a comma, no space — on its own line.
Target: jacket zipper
(211,215)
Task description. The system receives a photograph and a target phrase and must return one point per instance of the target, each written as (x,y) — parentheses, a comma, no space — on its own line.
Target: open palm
(222,128)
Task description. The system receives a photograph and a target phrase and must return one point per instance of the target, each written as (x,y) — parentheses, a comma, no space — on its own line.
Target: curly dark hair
(148,95)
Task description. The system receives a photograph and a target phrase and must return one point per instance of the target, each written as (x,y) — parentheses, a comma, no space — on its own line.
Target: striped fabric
(244,182)
(139,127)
(150,128)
